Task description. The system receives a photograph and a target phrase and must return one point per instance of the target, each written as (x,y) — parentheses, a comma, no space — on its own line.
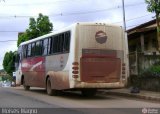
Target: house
(143,38)
(143,47)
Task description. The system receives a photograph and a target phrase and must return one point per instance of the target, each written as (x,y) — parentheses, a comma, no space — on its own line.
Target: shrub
(152,72)
(149,79)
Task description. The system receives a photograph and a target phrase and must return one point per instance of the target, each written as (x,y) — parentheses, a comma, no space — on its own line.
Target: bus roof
(69,28)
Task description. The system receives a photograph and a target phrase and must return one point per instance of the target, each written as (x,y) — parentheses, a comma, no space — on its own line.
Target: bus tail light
(75,69)
(75,63)
(124,64)
(75,76)
(75,72)
(123,71)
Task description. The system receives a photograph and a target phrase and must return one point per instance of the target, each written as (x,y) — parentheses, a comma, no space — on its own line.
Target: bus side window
(67,42)
(33,50)
(29,50)
(24,51)
(38,48)
(20,57)
(62,43)
(55,44)
(45,46)
(49,46)
(17,57)
(58,43)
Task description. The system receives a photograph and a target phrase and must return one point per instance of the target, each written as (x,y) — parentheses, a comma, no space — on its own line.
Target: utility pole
(124,18)
(126,54)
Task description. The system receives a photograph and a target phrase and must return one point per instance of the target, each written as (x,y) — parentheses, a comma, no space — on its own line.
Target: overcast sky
(15,14)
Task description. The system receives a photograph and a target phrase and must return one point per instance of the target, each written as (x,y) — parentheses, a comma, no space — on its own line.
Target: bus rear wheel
(25,86)
(49,89)
(89,92)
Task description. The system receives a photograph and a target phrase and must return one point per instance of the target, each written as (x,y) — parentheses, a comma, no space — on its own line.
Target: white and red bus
(84,56)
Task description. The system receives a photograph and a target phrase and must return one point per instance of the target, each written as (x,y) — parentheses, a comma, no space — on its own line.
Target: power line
(2,0)
(42,3)
(10,31)
(76,13)
(132,18)
(100,10)
(53,2)
(139,17)
(7,41)
(111,23)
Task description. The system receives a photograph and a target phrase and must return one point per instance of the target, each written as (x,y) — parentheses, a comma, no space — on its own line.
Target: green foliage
(37,27)
(7,78)
(153,6)
(149,79)
(152,72)
(22,38)
(8,62)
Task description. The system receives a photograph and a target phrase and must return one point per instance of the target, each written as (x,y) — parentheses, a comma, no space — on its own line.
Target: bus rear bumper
(97,85)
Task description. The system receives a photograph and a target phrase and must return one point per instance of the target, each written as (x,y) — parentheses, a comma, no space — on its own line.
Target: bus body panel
(94,70)
(18,75)
(58,71)
(33,69)
(59,80)
(95,60)
(99,50)
(56,62)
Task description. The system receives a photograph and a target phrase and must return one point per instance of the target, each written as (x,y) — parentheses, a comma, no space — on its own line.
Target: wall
(138,61)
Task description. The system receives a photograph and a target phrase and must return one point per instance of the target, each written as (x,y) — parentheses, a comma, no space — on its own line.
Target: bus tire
(88,92)
(25,86)
(50,91)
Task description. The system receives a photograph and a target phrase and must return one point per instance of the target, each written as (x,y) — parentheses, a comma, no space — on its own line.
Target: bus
(83,56)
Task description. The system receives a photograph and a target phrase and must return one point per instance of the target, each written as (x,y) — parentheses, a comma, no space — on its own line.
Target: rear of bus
(99,57)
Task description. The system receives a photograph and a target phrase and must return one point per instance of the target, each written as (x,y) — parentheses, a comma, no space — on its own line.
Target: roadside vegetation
(37,27)
(149,79)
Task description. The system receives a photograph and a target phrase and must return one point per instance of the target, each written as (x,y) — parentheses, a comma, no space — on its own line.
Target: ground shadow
(74,95)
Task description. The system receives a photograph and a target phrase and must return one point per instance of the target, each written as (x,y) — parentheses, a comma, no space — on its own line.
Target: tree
(154,6)
(37,27)
(8,62)
(22,38)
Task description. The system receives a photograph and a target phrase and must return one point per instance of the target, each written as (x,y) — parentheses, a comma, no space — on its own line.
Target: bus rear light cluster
(75,69)
(123,71)
(75,76)
(75,72)
(123,68)
(123,77)
(75,63)
(124,64)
